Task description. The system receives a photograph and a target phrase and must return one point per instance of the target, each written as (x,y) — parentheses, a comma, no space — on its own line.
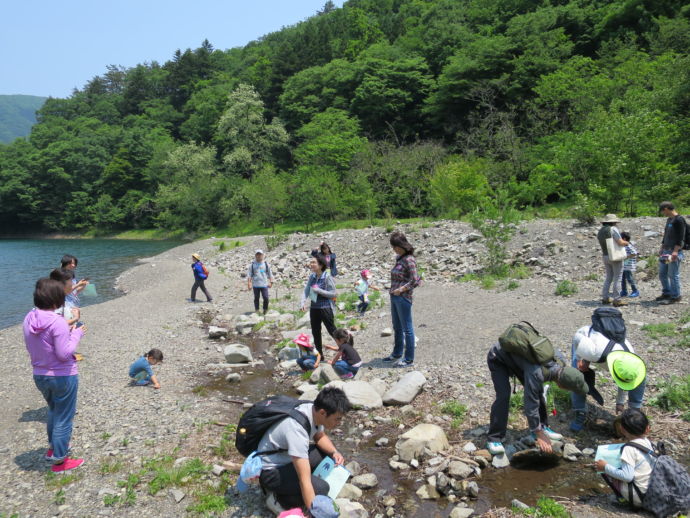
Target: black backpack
(668,492)
(609,322)
(256,421)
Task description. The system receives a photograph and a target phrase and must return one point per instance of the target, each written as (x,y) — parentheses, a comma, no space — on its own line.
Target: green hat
(628,369)
(573,380)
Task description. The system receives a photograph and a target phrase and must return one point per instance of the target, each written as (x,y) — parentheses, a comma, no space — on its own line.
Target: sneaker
(662,297)
(495,447)
(619,302)
(624,293)
(66,465)
(554,436)
(579,422)
(634,294)
(391,358)
(671,300)
(347,376)
(405,363)
(606,300)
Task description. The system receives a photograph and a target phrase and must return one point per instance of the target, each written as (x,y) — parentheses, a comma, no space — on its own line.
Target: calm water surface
(23,261)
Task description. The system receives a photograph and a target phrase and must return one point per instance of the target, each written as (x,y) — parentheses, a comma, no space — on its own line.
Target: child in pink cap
(309,357)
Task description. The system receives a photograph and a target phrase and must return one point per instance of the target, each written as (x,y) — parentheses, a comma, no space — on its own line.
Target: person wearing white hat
(599,345)
(614,269)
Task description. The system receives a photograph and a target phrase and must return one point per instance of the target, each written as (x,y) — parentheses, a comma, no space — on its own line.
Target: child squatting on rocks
(142,373)
(636,466)
(362,287)
(347,361)
(309,358)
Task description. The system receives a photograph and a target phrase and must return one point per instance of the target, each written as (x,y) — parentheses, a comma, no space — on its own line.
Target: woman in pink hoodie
(51,345)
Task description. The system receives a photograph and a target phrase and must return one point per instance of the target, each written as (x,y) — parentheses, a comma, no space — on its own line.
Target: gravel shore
(118,427)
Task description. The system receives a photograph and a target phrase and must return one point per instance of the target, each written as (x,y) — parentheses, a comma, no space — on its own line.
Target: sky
(48,48)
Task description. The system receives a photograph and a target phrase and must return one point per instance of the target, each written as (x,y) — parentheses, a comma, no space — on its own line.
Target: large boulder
(426,435)
(328,373)
(237,353)
(405,390)
(360,394)
(379,385)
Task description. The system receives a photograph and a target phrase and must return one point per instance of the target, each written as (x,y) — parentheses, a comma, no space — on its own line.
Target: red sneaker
(66,465)
(49,454)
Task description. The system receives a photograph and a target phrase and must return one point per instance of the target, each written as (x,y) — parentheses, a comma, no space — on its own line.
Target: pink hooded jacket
(50,343)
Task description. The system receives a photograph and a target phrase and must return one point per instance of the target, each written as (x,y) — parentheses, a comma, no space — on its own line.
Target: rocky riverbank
(146,450)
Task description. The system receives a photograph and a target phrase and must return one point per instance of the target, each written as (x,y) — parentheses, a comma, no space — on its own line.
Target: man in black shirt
(671,254)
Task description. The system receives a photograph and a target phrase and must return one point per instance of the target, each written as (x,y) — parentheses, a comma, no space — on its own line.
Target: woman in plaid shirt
(404,280)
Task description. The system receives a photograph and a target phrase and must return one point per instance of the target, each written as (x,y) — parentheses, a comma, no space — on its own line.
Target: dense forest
(17,115)
(393,108)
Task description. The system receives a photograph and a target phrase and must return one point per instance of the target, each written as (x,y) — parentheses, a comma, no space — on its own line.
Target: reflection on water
(23,261)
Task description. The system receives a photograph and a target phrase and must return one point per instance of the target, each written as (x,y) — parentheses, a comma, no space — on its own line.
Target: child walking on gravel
(629,267)
(142,373)
(347,361)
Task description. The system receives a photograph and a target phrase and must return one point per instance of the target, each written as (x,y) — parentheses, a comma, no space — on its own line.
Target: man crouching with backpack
(503,365)
(288,471)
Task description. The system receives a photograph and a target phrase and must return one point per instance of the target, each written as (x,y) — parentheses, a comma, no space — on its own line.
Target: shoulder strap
(301,419)
(643,449)
(609,348)
(533,328)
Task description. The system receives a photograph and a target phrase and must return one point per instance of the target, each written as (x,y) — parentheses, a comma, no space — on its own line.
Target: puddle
(498,487)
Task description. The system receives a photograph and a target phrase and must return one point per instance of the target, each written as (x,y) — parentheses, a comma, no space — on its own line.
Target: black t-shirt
(349,354)
(674,233)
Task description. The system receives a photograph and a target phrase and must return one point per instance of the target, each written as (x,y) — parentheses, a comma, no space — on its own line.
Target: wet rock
(288,353)
(500,461)
(588,451)
(473,489)
(350,509)
(442,483)
(354,468)
(428,492)
(518,504)
(217,332)
(571,452)
(461,512)
(397,466)
(485,454)
(237,353)
(382,441)
(351,492)
(233,377)
(389,501)
(421,437)
(386,332)
(365,481)
(458,469)
(405,390)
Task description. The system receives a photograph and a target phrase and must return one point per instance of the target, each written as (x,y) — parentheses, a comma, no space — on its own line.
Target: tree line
(382,107)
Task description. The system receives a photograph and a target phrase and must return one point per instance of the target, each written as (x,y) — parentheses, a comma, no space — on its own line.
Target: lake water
(23,261)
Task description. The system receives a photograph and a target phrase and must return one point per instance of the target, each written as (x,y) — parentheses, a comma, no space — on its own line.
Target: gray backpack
(669,484)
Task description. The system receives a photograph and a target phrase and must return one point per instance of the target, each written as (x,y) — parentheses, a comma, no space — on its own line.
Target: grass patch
(200,390)
(55,481)
(675,396)
(488,280)
(591,277)
(208,504)
(657,331)
(109,466)
(227,442)
(105,436)
(566,288)
(546,507)
(455,409)
(273,241)
(166,474)
(59,497)
(512,285)
(558,398)
(517,402)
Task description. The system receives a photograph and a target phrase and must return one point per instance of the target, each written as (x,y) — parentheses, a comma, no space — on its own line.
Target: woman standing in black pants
(320,290)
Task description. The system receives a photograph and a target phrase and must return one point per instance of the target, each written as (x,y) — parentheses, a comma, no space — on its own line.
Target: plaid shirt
(404,275)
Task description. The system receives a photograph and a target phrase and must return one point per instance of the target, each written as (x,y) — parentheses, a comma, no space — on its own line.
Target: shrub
(273,241)
(586,211)
(454,408)
(566,288)
(675,396)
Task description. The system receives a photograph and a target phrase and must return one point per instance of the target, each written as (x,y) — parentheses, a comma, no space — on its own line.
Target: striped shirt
(404,276)
(630,263)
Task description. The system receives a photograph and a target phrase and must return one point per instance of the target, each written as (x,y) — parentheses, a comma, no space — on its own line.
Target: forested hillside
(382,107)
(17,115)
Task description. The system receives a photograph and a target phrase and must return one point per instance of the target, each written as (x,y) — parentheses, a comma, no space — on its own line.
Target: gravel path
(119,425)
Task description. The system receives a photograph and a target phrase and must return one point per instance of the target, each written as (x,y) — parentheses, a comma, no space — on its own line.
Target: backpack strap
(609,348)
(301,419)
(533,328)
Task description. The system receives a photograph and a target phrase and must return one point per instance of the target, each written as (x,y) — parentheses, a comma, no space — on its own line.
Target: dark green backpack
(523,340)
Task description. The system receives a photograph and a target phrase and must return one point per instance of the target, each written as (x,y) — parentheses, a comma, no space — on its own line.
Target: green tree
(459,186)
(267,195)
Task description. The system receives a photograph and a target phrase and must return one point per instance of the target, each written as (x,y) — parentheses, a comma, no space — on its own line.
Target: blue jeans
(579,402)
(669,275)
(60,392)
(342,367)
(401,313)
(306,363)
(630,279)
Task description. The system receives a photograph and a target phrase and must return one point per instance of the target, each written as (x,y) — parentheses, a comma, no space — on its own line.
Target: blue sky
(50,47)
